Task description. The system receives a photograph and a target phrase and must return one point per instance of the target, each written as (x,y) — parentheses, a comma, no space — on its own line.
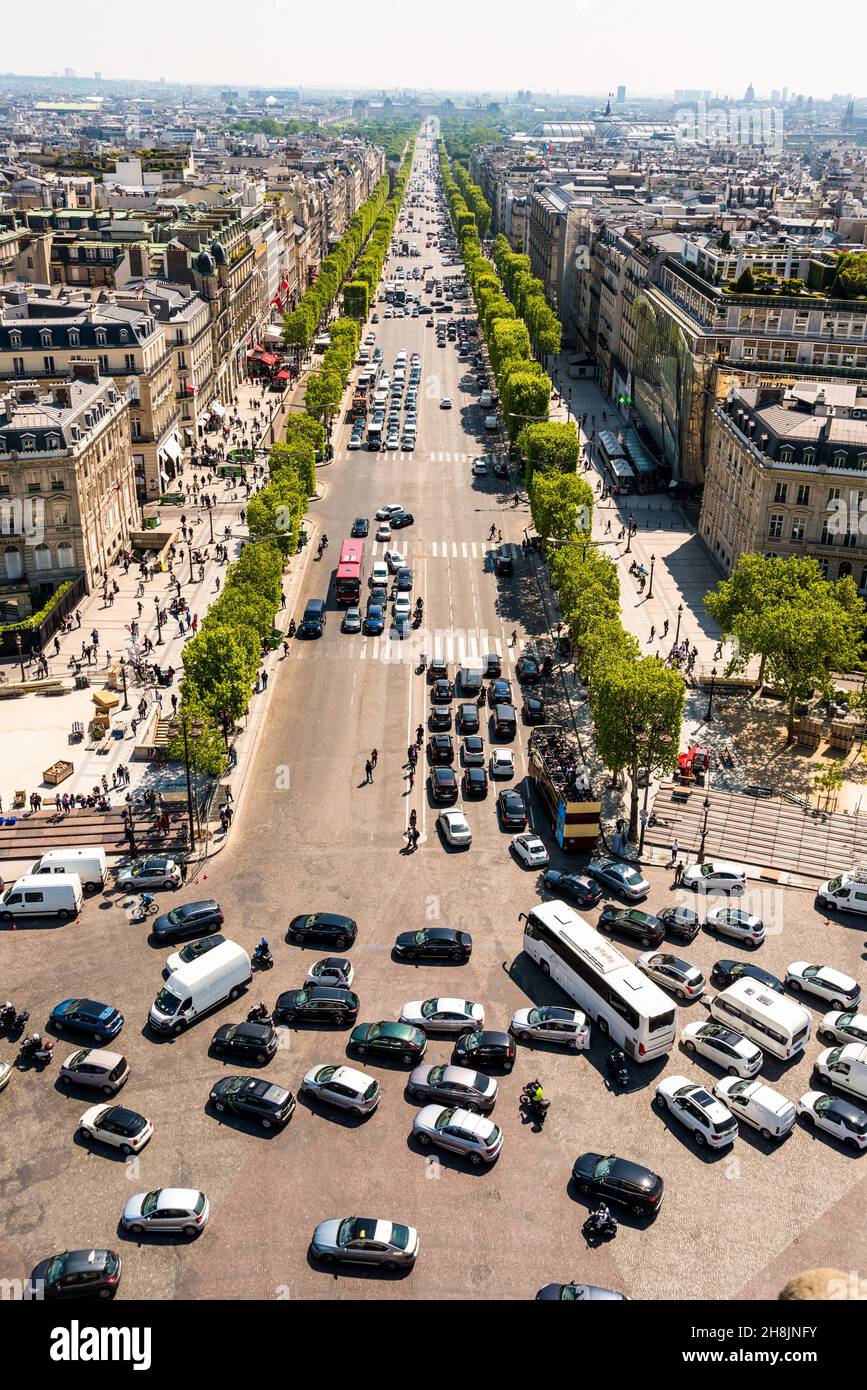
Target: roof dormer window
(101,337)
(74,337)
(45,337)
(28,441)
(15,338)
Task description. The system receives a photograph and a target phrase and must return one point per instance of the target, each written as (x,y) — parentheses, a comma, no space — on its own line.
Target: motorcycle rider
(602,1217)
(537,1095)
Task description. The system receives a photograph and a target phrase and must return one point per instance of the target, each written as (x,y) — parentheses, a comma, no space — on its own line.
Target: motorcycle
(262,958)
(600,1225)
(615,1064)
(291,629)
(417,618)
(259,1014)
(422,663)
(536,1109)
(36,1049)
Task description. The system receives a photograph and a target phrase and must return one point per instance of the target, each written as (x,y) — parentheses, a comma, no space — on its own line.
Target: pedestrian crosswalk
(457,647)
(422,549)
(389,455)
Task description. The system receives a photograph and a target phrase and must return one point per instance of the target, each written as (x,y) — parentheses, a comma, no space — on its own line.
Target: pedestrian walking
(718,651)
(78,617)
(184,869)
(665,628)
(675,851)
(264,680)
(411,776)
(652,631)
(94,637)
(368,771)
(678,873)
(513,640)
(374,757)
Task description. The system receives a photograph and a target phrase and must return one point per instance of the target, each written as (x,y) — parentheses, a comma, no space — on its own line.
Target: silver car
(684,980)
(95,1069)
(444,1015)
(364,1240)
(552,1024)
(462,1131)
(335,971)
(167,1209)
(456,1085)
(343,1086)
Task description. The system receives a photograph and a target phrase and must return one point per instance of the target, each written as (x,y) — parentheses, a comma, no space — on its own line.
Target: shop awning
(218,409)
(283,375)
(172,447)
(266,358)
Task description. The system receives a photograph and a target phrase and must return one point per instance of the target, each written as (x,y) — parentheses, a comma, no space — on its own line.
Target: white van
(364,355)
(846,892)
(486,400)
(776,1024)
(845,1068)
(757,1105)
(36,896)
(202,985)
(89,863)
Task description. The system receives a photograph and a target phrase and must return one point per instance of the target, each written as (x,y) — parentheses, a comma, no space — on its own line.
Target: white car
(394,559)
(116,1125)
(388,312)
(491,422)
(841,990)
(710,1121)
(715,876)
(841,1118)
(444,1015)
(684,980)
(740,926)
(388,509)
(445,403)
(167,1209)
(844,1067)
(392,441)
(462,1131)
(550,1023)
(480,468)
(334,972)
(402,607)
(370,339)
(354,441)
(530,850)
(345,1087)
(455,828)
(730,1050)
(844,1027)
(383,531)
(502,763)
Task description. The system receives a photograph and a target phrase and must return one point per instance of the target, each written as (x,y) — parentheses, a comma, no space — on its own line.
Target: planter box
(57,772)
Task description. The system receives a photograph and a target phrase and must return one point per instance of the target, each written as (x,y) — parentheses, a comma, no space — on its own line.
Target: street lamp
(211,519)
(20,647)
(159,620)
(190,554)
(628,540)
(643,739)
(709,715)
(125,704)
(706,809)
(192,731)
(679,616)
(650,585)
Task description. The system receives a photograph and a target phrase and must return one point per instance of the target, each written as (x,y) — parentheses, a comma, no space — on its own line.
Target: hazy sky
(652,46)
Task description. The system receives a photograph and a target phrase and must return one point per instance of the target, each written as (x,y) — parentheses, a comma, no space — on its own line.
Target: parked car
(463,1132)
(434,943)
(270,1105)
(683,979)
(846,1026)
(471,1090)
(485,1048)
(680,922)
(631,922)
(740,926)
(709,1120)
(336,971)
(847,1122)
(715,876)
(116,1126)
(87,1016)
(347,1088)
(388,1039)
(443,1015)
(737,1055)
(154,871)
(366,1241)
(575,887)
(317,1004)
(95,1069)
(166,1209)
(512,809)
(330,927)
(455,829)
(550,1023)
(824,981)
(257,1041)
(623,878)
(529,850)
(188,919)
(619,1180)
(725,972)
(75,1274)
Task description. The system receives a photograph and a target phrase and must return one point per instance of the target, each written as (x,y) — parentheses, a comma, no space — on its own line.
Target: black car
(618,1180)
(330,927)
(189,919)
(468,718)
(528,670)
(440,749)
(501,470)
(680,922)
(250,1095)
(401,519)
(583,891)
(388,1039)
(631,922)
(437,670)
(533,710)
(500,692)
(504,564)
(441,717)
(473,752)
(317,1004)
(725,972)
(75,1274)
(512,809)
(475,781)
(377,598)
(493,666)
(482,1048)
(403,579)
(441,691)
(434,943)
(360,526)
(194,949)
(443,784)
(256,1040)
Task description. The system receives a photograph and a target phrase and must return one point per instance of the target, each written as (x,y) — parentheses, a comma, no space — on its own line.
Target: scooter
(39,1051)
(615,1064)
(262,958)
(536,1109)
(291,629)
(422,663)
(600,1225)
(259,1014)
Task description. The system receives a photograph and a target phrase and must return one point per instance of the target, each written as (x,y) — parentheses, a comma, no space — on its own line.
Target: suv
(632,922)
(317,1004)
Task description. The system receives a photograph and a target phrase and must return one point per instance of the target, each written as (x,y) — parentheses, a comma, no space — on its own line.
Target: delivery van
(36,895)
(204,984)
(847,892)
(758,1105)
(89,863)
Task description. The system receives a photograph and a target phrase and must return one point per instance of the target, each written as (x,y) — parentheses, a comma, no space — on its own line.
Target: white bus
(612,991)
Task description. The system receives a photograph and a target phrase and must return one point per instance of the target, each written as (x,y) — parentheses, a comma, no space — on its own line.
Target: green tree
(850,277)
(260,567)
(605,639)
(808,638)
(552,444)
(561,505)
(637,709)
(220,664)
(526,396)
(324,392)
(356,299)
(745,283)
(205,745)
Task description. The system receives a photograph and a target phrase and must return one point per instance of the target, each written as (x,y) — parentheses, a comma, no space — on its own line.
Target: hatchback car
(549,1023)
(366,1241)
(824,981)
(440,717)
(710,1121)
(187,919)
(441,749)
(169,1209)
(847,1122)
(454,828)
(473,752)
(730,1050)
(351,620)
(394,559)
(632,923)
(619,1180)
(374,620)
(725,972)
(623,878)
(403,579)
(578,1293)
(257,1041)
(385,1039)
(471,1090)
(468,718)
(317,1004)
(95,1069)
(330,927)
(117,1127)
(502,762)
(683,979)
(740,926)
(715,876)
(87,1016)
(443,1015)
(443,784)
(528,849)
(680,922)
(347,1088)
(441,690)
(463,1132)
(261,1100)
(574,887)
(485,1049)
(75,1274)
(155,871)
(401,519)
(336,971)
(846,1026)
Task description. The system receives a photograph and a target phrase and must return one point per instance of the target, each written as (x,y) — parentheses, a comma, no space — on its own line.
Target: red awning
(283,375)
(266,358)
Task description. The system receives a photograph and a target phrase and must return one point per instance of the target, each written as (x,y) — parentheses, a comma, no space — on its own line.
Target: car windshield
(150,1203)
(325,1074)
(167,1003)
(55,1269)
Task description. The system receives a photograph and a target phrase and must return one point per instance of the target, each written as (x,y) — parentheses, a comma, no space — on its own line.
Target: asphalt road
(309,836)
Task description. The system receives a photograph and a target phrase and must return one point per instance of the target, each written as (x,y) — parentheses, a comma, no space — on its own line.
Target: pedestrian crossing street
(441,456)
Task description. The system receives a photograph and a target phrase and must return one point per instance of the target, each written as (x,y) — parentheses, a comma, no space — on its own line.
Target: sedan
(550,1023)
(631,922)
(485,1048)
(443,784)
(156,871)
(463,1132)
(75,1274)
(623,878)
(725,972)
(711,1122)
(407,444)
(445,403)
(351,620)
(843,1027)
(468,718)
(331,927)
(317,1004)
(455,829)
(528,670)
(480,468)
(841,1118)
(443,1015)
(87,1016)
(394,559)
(441,749)
(386,1039)
(346,1087)
(116,1126)
(360,526)
(534,711)
(528,849)
(263,1101)
(619,1180)
(730,1050)
(471,1090)
(257,1041)
(333,970)
(502,762)
(576,887)
(740,926)
(364,1240)
(683,979)
(434,943)
(392,441)
(166,1209)
(577,1293)
(475,783)
(715,876)
(187,919)
(823,980)
(680,922)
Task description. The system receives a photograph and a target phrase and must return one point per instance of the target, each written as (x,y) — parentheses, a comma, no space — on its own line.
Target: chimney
(63,395)
(85,369)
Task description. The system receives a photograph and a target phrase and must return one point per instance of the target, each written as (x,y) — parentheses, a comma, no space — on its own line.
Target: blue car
(374,623)
(87,1016)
